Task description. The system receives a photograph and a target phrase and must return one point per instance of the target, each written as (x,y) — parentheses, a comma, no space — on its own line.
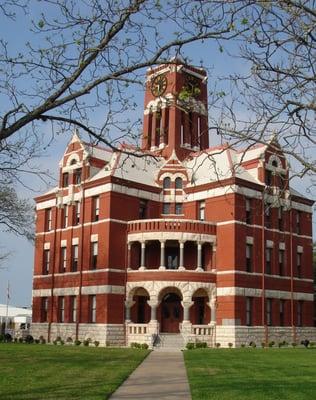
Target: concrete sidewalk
(162,375)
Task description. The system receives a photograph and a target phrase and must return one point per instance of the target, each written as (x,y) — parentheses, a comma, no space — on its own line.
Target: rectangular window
(300,313)
(268,260)
(280,219)
(93,308)
(65,179)
(249,258)
(46,259)
(299,264)
(249,302)
(61,309)
(298,222)
(94,255)
(268,177)
(267,214)
(269,312)
(201,210)
(77,176)
(48,219)
(74,258)
(65,217)
(72,309)
(166,208)
(63,259)
(44,309)
(77,213)
(248,212)
(282,308)
(143,209)
(179,208)
(281,262)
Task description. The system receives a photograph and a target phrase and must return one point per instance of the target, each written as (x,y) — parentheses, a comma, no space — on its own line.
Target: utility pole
(7,309)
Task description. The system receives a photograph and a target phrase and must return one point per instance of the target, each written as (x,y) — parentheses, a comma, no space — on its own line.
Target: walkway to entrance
(161,376)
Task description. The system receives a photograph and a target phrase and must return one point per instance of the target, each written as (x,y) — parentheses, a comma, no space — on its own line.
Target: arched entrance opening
(200,313)
(170,311)
(140,312)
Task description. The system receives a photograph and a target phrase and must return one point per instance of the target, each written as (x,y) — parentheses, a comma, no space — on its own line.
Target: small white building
(15,320)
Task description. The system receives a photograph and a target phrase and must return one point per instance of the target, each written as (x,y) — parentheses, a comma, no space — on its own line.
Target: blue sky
(19,266)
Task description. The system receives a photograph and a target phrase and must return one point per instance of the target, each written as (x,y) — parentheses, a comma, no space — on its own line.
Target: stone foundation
(106,334)
(238,335)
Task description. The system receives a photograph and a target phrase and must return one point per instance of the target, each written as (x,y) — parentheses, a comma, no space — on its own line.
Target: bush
(190,346)
(77,342)
(20,340)
(7,338)
(252,344)
(29,339)
(294,344)
(61,342)
(86,342)
(230,345)
(263,345)
(15,340)
(96,343)
(58,339)
(217,345)
(201,345)
(312,344)
(42,340)
(69,340)
(144,346)
(37,341)
(1,338)
(305,343)
(243,345)
(55,342)
(136,345)
(271,344)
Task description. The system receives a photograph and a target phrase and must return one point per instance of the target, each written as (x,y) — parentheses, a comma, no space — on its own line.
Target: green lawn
(38,372)
(252,374)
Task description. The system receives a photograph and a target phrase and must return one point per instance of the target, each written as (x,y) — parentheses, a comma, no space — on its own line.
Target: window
(249,258)
(94,255)
(167,183)
(77,176)
(95,208)
(282,307)
(74,258)
(269,312)
(300,313)
(46,259)
(93,308)
(143,209)
(172,258)
(179,208)
(166,208)
(267,213)
(298,222)
(65,217)
(63,259)
(178,183)
(48,219)
(268,260)
(249,302)
(72,309)
(65,179)
(248,212)
(44,309)
(268,178)
(77,213)
(280,219)
(61,309)
(201,210)
(281,262)
(299,264)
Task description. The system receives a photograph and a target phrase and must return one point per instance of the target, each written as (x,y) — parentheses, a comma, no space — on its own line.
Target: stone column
(186,310)
(153,129)
(162,254)
(142,258)
(163,124)
(181,261)
(212,305)
(186,326)
(128,305)
(199,257)
(129,247)
(153,325)
(214,256)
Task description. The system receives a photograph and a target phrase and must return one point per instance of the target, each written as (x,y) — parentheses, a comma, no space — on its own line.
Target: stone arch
(274,159)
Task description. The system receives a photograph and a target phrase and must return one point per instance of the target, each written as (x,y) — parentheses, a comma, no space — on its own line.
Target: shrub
(7,338)
(252,344)
(137,345)
(280,344)
(58,339)
(61,342)
(69,340)
(271,344)
(29,339)
(42,340)
(144,346)
(312,344)
(77,342)
(243,345)
(294,344)
(305,343)
(1,338)
(263,345)
(217,345)
(230,345)
(20,340)
(96,343)
(190,346)
(15,340)
(201,345)
(55,342)
(37,341)
(86,342)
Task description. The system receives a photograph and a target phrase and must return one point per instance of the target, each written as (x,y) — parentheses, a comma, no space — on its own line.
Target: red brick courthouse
(209,243)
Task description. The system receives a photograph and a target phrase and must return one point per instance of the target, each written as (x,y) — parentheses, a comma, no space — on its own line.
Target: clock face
(159,85)
(193,85)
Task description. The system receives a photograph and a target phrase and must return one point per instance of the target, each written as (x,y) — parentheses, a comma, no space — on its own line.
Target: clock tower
(175,114)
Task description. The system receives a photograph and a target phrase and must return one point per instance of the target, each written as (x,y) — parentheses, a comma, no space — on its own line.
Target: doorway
(171,313)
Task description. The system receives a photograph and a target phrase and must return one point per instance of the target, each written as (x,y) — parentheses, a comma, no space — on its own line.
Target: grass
(252,374)
(37,372)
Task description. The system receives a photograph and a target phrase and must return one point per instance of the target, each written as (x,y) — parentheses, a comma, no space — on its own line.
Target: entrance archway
(171,313)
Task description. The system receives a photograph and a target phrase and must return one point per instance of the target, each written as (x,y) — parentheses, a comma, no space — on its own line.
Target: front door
(171,313)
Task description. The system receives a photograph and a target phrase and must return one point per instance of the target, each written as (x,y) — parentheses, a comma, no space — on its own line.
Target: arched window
(73,162)
(275,163)
(178,183)
(167,183)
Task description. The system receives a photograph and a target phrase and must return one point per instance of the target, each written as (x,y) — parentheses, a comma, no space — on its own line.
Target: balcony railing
(173,225)
(202,330)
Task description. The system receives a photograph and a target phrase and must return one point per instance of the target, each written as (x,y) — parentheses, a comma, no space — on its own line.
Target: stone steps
(169,342)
